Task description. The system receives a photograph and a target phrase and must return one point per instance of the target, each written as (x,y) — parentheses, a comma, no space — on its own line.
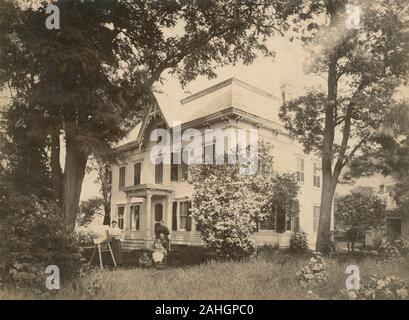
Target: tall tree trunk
(324,226)
(328,181)
(107,213)
(75,163)
(56,172)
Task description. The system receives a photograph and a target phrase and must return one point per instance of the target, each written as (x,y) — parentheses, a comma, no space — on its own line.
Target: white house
(144,193)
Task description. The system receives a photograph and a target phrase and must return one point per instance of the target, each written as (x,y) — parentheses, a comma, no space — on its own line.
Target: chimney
(285,92)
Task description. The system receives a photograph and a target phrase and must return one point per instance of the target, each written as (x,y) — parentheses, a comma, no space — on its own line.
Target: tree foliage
(93,79)
(360,212)
(401,196)
(362,68)
(34,238)
(102,167)
(88,209)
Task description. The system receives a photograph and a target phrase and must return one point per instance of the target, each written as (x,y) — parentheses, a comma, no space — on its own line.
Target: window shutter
(121,177)
(159,173)
(174,169)
(174,216)
(281,225)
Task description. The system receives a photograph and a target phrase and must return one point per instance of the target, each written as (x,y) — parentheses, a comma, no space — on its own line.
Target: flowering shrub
(387,288)
(314,272)
(228,205)
(391,248)
(34,237)
(299,243)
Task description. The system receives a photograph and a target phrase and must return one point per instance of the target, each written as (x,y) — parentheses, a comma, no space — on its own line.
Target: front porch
(146,205)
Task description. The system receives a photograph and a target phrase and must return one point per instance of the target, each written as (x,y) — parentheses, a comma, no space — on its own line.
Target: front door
(157,214)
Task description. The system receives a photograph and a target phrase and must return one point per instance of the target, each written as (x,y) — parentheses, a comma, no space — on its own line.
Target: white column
(169,213)
(127,217)
(148,231)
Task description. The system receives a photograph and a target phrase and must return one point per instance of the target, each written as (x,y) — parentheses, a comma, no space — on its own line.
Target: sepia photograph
(204,151)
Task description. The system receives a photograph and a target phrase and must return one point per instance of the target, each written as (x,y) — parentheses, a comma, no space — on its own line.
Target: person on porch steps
(162,229)
(115,240)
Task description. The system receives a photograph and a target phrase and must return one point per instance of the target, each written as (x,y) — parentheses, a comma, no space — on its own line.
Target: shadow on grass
(178,257)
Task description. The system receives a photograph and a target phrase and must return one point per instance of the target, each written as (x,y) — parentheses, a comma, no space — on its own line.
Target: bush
(84,238)
(314,272)
(386,288)
(391,248)
(299,243)
(228,204)
(34,237)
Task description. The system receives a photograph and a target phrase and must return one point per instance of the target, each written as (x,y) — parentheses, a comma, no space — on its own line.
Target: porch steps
(132,244)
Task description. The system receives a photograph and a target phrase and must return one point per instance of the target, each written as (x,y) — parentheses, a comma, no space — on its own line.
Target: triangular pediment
(154,119)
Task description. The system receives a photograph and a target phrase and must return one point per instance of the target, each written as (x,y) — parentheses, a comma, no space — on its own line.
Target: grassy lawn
(270,276)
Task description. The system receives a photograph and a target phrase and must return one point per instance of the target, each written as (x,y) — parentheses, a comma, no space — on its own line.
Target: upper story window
(159,171)
(184,167)
(178,171)
(300,170)
(174,167)
(209,154)
(316,175)
(122,177)
(137,170)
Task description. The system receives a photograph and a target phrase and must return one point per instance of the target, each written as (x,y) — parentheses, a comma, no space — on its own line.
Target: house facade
(396,224)
(145,192)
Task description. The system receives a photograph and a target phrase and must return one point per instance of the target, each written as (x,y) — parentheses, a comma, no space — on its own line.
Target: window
(185,218)
(393,227)
(135,217)
(178,171)
(209,154)
(158,212)
(317,176)
(281,221)
(159,171)
(381,188)
(137,167)
(184,167)
(300,170)
(174,216)
(269,222)
(121,177)
(316,218)
(289,224)
(121,211)
(278,222)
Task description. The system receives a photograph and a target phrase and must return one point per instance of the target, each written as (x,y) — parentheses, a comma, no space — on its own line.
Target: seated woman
(159,252)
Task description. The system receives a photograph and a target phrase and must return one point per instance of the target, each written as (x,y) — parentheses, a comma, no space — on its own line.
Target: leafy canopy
(359,211)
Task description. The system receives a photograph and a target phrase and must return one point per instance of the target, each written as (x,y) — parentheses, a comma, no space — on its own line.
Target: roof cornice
(226,83)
